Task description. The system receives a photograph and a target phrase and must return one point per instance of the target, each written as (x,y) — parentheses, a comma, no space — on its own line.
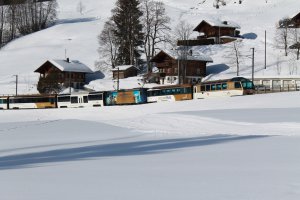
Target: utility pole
(70,91)
(265,49)
(252,64)
(118,81)
(16,84)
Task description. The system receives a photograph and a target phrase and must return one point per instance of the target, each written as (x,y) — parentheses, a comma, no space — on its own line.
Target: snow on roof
(192,55)
(71,66)
(122,67)
(220,23)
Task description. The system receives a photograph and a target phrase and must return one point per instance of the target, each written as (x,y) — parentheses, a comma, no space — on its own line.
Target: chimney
(68,60)
(225,22)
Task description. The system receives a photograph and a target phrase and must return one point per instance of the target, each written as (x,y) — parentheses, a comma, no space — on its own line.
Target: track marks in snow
(25,125)
(183,124)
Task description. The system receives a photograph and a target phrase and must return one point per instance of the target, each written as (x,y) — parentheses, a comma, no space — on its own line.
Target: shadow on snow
(113,150)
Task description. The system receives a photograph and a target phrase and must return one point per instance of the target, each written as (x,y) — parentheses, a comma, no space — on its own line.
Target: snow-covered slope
(77,34)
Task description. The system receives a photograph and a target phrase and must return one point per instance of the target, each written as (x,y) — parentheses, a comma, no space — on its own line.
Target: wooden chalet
(124,71)
(217,30)
(179,69)
(69,73)
(296,21)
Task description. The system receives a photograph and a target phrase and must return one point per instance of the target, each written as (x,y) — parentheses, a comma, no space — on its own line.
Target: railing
(260,89)
(195,42)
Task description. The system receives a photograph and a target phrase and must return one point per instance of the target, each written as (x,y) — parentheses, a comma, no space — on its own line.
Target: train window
(202,88)
(237,85)
(188,90)
(94,97)
(52,101)
(207,87)
(85,99)
(74,99)
(213,87)
(219,87)
(64,99)
(247,85)
(224,86)
(3,101)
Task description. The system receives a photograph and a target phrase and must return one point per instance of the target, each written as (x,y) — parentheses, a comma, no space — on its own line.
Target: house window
(198,72)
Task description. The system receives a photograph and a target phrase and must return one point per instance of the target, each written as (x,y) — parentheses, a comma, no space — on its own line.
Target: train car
(224,88)
(3,103)
(32,101)
(170,93)
(80,100)
(125,97)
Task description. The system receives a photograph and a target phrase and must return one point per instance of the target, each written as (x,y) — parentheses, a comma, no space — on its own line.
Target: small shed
(124,71)
(69,72)
(189,68)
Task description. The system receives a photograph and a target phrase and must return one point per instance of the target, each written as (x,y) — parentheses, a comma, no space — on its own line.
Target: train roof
(170,86)
(225,80)
(32,96)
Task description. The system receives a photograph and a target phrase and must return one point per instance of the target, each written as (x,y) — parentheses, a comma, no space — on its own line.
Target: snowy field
(77,33)
(229,148)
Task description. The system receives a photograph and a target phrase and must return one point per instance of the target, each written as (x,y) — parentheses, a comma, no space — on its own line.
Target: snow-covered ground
(77,33)
(229,148)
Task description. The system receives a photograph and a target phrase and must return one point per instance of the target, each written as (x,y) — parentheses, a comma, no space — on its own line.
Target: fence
(267,89)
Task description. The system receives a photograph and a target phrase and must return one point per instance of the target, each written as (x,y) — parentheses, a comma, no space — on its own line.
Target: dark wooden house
(124,71)
(217,29)
(173,68)
(68,72)
(296,21)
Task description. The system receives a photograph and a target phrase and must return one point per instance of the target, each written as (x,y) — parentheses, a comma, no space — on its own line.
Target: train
(221,88)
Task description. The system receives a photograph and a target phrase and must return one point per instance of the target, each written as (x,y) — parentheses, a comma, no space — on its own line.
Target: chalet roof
(297,16)
(123,67)
(218,23)
(65,66)
(195,56)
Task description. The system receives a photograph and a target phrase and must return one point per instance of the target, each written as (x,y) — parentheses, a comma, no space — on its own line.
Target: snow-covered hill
(77,34)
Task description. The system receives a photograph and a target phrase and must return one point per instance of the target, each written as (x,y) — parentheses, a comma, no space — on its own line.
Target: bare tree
(283,34)
(25,17)
(156,27)
(12,20)
(183,31)
(108,44)
(278,65)
(236,54)
(3,12)
(81,7)
(292,66)
(295,42)
(34,16)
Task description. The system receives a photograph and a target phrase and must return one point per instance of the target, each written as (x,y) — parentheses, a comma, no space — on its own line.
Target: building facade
(124,71)
(173,68)
(68,73)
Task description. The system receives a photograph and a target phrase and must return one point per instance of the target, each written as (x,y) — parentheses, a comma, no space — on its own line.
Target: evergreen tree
(128,30)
